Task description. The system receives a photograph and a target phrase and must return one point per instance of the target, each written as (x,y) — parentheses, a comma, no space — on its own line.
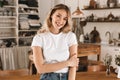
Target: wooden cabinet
(85,50)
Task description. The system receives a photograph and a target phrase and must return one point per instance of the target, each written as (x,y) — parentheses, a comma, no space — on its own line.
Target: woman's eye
(58,15)
(65,19)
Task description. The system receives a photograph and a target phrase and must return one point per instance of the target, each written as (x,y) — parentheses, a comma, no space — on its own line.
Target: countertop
(102,44)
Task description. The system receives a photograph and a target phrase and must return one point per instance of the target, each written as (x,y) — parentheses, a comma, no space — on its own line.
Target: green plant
(108,59)
(117,60)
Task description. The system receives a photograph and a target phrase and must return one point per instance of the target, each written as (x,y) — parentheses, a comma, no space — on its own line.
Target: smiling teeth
(58,24)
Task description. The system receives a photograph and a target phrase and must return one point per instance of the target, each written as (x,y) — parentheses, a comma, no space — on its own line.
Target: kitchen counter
(102,44)
(79,76)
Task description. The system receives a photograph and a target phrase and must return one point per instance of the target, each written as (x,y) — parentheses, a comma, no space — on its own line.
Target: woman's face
(59,19)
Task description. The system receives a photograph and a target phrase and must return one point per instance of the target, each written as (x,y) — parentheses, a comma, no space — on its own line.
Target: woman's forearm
(72,73)
(46,68)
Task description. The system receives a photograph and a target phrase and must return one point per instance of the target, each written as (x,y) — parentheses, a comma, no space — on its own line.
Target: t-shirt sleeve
(37,41)
(72,40)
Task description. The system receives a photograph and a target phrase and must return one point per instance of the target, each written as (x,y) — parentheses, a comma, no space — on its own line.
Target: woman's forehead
(62,12)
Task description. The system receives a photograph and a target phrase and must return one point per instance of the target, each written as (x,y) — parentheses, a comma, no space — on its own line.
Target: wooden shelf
(7,37)
(9,6)
(14,27)
(29,7)
(28,30)
(102,8)
(26,37)
(104,21)
(28,14)
(7,17)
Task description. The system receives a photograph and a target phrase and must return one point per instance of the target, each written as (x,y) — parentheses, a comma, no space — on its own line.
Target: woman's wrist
(68,63)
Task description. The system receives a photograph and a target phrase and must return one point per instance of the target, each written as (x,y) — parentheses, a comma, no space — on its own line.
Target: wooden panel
(79,76)
(96,68)
(95,76)
(19,72)
(32,68)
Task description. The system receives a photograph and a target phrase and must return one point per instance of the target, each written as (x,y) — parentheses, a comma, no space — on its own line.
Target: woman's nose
(61,21)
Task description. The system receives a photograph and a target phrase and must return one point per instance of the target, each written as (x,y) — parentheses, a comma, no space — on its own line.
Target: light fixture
(77,11)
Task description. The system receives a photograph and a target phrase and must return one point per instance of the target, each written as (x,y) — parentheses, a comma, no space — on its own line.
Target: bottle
(119,35)
(1,3)
(86,38)
(95,36)
(98,3)
(111,3)
(108,70)
(108,3)
(110,16)
(81,38)
(92,4)
(5,2)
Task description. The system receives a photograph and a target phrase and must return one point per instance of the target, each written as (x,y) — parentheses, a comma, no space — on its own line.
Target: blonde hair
(48,22)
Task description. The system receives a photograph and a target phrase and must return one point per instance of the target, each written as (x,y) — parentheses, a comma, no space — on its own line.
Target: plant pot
(118,74)
(108,70)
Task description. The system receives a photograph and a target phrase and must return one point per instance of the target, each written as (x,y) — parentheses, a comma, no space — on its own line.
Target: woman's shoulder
(70,33)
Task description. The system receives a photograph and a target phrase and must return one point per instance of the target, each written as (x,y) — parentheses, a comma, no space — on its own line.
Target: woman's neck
(54,31)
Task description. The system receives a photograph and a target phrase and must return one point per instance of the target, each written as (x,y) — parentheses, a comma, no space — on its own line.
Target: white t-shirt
(55,46)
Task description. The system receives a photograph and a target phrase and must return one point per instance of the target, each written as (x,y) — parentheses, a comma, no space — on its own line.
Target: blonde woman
(55,46)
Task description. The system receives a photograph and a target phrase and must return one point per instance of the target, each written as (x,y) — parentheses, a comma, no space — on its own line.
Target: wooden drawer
(88,49)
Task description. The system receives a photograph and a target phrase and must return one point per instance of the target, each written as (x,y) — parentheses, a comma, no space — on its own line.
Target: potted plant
(107,61)
(117,62)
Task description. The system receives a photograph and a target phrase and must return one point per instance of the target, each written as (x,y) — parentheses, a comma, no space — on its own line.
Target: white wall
(114,28)
(44,7)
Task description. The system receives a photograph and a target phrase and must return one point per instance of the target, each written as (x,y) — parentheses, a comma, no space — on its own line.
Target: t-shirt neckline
(55,34)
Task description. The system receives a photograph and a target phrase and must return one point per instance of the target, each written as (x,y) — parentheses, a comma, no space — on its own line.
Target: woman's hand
(73,61)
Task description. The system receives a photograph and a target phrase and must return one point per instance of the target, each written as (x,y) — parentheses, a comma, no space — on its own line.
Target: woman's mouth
(59,25)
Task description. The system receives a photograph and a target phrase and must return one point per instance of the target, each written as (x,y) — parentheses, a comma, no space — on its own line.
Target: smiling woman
(55,46)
